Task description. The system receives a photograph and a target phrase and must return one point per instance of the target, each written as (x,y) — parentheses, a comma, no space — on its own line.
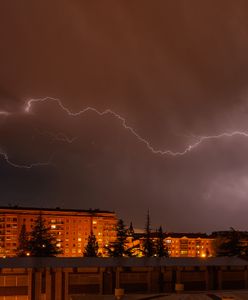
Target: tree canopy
(160,249)
(232,244)
(42,243)
(91,250)
(119,248)
(148,244)
(23,247)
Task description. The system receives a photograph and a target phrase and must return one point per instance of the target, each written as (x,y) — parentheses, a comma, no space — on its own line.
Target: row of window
(186,242)
(2,219)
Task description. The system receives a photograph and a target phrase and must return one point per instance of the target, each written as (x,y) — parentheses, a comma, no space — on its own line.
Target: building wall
(190,247)
(66,279)
(181,246)
(70,228)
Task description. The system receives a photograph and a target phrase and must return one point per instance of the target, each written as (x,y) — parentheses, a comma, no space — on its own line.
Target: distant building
(71,228)
(179,244)
(189,245)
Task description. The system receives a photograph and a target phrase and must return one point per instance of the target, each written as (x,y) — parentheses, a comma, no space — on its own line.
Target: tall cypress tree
(23,247)
(42,243)
(91,250)
(148,243)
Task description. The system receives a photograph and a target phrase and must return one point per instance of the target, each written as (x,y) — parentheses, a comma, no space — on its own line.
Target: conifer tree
(119,247)
(130,231)
(232,246)
(91,250)
(148,243)
(23,247)
(42,243)
(161,250)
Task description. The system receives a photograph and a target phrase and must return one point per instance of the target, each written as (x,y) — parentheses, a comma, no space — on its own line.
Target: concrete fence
(68,278)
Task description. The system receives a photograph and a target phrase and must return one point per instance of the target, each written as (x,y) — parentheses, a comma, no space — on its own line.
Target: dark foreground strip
(214,297)
(153,297)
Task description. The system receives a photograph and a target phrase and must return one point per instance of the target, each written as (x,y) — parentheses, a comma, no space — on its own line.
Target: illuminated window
(53,226)
(79,239)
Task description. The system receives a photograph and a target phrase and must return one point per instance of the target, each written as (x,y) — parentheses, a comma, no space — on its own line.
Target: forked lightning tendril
(62,137)
(22,166)
(123,121)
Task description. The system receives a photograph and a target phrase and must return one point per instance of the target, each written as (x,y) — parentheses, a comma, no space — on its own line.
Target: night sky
(175,71)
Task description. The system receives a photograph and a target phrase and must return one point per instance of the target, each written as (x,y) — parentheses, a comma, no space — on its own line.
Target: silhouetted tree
(23,247)
(148,243)
(231,245)
(91,250)
(130,231)
(42,243)
(119,247)
(161,249)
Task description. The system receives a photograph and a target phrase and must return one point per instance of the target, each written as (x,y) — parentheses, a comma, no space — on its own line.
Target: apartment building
(178,244)
(189,245)
(71,228)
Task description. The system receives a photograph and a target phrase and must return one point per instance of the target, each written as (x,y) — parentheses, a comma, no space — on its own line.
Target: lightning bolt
(22,166)
(12,163)
(62,137)
(189,148)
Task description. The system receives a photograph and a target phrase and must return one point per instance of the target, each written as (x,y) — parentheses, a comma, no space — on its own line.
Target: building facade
(67,279)
(178,244)
(71,228)
(189,245)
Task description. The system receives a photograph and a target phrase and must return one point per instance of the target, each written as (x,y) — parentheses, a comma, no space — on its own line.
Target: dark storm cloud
(173,69)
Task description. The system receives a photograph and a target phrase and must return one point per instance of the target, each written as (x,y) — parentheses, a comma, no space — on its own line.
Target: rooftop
(64,262)
(16,207)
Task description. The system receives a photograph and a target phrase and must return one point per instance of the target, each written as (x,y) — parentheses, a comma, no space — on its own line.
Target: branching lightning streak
(189,148)
(61,137)
(22,166)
